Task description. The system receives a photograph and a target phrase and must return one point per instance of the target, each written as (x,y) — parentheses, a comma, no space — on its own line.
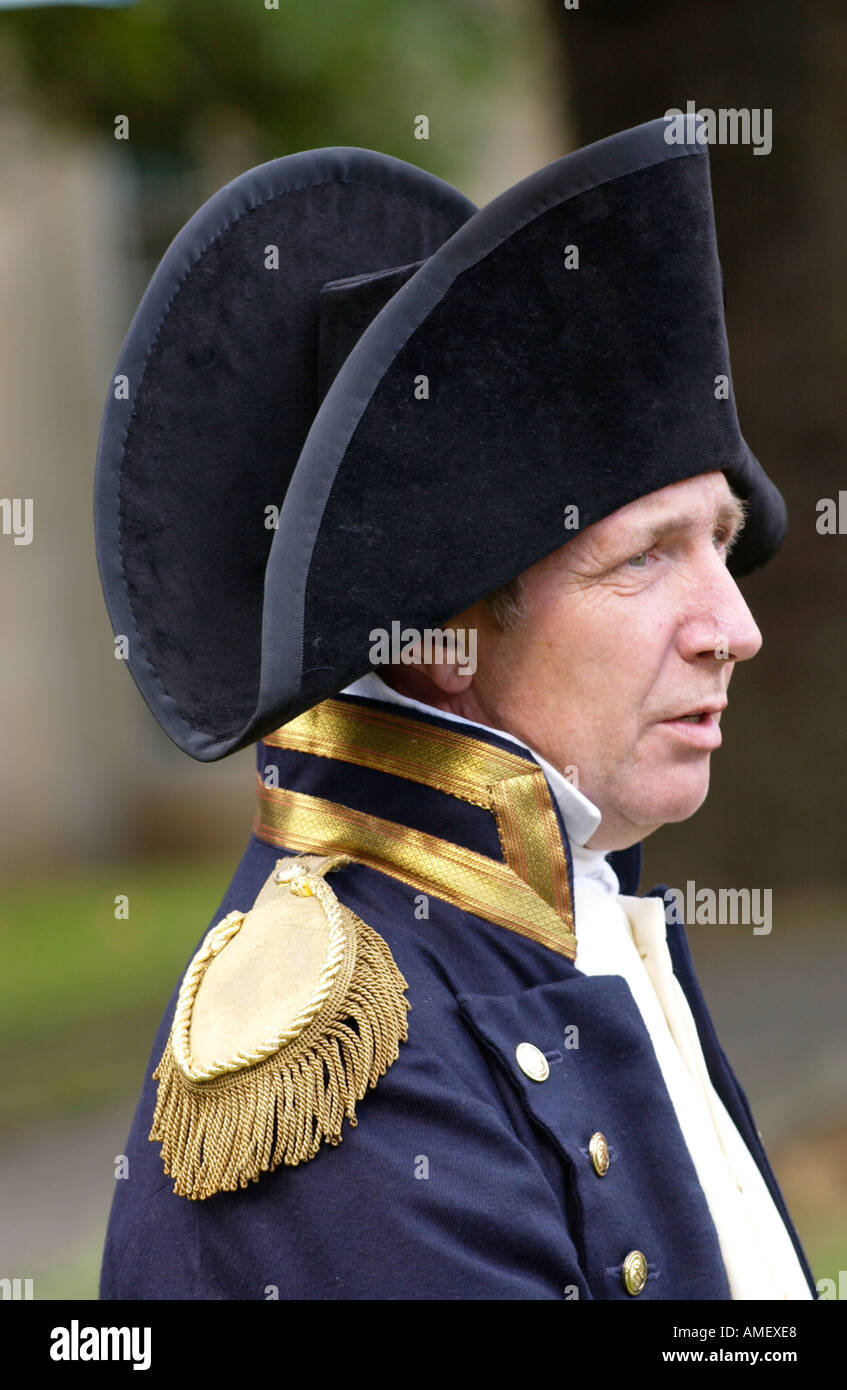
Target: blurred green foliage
(82,991)
(297,77)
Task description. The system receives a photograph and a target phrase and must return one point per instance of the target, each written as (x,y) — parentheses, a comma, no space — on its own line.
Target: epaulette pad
(286,1016)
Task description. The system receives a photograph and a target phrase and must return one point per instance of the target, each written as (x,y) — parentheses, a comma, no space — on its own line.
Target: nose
(719,623)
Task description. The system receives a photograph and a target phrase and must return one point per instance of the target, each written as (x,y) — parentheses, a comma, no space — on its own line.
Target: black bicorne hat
(348,397)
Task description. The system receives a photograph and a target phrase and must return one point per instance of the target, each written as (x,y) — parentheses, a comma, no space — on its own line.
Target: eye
(640,560)
(724,539)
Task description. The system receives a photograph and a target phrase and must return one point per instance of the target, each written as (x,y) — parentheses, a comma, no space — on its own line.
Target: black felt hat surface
(348,397)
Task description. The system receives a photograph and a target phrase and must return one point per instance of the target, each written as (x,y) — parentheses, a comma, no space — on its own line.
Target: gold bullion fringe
(220,1135)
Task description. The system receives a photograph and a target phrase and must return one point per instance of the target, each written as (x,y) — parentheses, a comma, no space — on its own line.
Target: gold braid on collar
(529,893)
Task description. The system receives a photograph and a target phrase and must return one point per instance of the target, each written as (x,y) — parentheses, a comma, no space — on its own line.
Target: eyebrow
(731,514)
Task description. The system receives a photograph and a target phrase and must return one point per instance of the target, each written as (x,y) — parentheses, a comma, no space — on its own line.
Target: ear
(453,666)
(450,677)
(448,662)
(443,669)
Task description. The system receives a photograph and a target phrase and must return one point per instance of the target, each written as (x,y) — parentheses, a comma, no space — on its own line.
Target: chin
(670,806)
(681,808)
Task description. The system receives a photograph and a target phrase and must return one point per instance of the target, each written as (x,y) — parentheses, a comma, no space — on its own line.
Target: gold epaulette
(286,1016)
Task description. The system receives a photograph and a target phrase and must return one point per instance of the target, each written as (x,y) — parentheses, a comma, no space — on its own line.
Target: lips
(700,727)
(697,712)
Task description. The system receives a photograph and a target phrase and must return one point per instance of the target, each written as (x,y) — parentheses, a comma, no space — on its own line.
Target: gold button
(634,1272)
(532,1061)
(598,1152)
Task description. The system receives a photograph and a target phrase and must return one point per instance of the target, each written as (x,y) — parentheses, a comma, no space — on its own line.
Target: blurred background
(96,800)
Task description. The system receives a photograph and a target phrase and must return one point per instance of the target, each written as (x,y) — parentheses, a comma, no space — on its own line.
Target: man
(435,1046)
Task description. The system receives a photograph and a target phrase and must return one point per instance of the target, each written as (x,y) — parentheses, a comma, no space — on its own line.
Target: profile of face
(621,665)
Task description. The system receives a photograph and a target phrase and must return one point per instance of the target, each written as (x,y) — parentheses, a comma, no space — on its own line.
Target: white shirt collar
(581,816)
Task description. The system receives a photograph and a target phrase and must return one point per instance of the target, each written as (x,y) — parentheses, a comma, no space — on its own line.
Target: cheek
(620,663)
(594,658)
(645,648)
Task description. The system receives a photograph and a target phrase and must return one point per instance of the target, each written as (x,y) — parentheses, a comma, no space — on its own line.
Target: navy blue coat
(463,1179)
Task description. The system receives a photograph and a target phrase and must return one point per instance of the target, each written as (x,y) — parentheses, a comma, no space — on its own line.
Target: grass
(75,1275)
(82,990)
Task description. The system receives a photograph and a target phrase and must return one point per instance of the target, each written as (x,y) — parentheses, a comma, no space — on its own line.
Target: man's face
(631,626)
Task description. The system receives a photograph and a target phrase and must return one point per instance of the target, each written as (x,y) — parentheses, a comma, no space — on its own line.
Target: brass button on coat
(598,1152)
(634,1272)
(532,1061)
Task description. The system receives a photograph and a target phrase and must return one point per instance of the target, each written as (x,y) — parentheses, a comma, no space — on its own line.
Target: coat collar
(581,816)
(471,819)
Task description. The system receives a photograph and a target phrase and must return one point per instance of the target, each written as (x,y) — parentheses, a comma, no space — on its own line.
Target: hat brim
(211,399)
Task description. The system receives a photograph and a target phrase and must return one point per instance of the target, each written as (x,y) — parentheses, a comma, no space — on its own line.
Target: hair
(508,604)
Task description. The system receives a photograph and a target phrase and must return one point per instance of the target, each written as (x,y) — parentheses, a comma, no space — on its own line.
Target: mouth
(700,728)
